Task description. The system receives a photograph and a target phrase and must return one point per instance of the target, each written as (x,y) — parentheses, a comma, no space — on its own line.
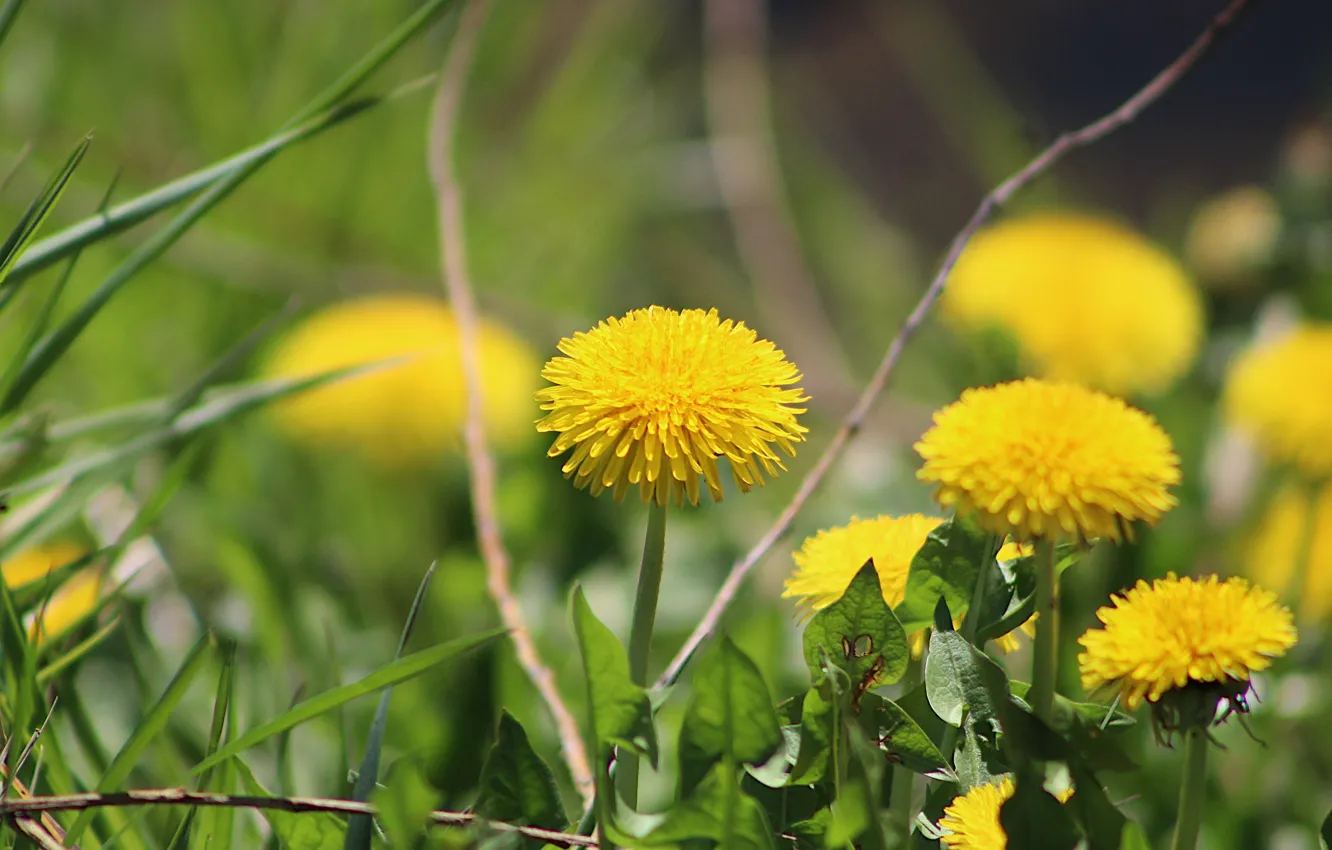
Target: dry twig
(1042,162)
(480,463)
(24,808)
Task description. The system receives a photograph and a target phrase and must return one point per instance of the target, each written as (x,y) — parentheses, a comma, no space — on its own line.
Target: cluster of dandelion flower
(404,413)
(1085,299)
(1290,552)
(1049,460)
(1185,646)
(1280,394)
(827,562)
(654,399)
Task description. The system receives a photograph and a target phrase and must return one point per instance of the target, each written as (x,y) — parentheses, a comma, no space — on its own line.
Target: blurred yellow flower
(827,562)
(1273,553)
(1233,234)
(1085,299)
(70,602)
(1035,459)
(1280,393)
(1177,631)
(654,399)
(407,413)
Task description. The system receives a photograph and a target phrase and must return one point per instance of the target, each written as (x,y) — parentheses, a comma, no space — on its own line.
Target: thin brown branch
(481,464)
(26,807)
(1041,163)
(749,178)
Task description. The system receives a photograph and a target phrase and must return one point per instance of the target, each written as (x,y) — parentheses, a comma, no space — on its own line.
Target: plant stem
(1194,789)
(904,780)
(1045,653)
(640,632)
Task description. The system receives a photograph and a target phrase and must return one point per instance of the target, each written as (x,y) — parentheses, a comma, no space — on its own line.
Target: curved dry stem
(1041,163)
(480,463)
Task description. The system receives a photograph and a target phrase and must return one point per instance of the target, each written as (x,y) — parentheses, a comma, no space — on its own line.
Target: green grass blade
(8,14)
(221,711)
(380,54)
(399,671)
(123,216)
(359,827)
(37,329)
(58,666)
(154,723)
(39,209)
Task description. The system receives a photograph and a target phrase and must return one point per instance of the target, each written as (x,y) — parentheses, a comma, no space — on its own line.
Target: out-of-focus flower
(1233,234)
(1274,552)
(405,413)
(1280,393)
(1085,299)
(827,562)
(1181,632)
(1035,459)
(655,398)
(70,602)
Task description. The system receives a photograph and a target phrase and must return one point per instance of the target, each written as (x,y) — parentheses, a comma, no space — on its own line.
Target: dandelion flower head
(827,562)
(971,821)
(405,413)
(1085,299)
(34,563)
(1273,553)
(1060,461)
(1161,637)
(1280,393)
(656,398)
(68,603)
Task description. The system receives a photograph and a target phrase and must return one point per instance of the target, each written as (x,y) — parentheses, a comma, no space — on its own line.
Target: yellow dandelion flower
(827,562)
(1233,234)
(402,414)
(1085,299)
(971,821)
(654,399)
(1281,395)
(1036,459)
(1179,631)
(36,562)
(1272,554)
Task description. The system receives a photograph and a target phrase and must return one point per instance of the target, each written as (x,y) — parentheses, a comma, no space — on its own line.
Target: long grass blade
(39,209)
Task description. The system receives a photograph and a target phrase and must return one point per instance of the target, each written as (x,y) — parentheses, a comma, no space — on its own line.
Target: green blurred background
(583,152)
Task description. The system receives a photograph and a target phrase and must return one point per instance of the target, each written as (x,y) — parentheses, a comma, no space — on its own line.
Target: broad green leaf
(977,761)
(39,209)
(898,736)
(295,831)
(730,716)
(717,811)
(1019,602)
(916,703)
(1104,825)
(359,827)
(148,731)
(776,771)
(860,635)
(959,678)
(946,566)
(620,712)
(1073,725)
(405,801)
(391,674)
(1032,817)
(516,785)
(1133,838)
(851,816)
(818,719)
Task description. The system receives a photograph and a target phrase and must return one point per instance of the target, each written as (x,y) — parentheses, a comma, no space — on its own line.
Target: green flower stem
(640,633)
(904,780)
(1192,792)
(1045,653)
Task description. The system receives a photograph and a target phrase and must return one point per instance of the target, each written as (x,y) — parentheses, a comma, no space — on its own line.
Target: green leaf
(620,712)
(916,704)
(959,678)
(39,209)
(730,716)
(405,801)
(399,671)
(776,771)
(1032,817)
(717,811)
(516,785)
(1005,612)
(1104,825)
(818,719)
(147,732)
(1074,728)
(851,817)
(860,635)
(901,739)
(359,827)
(945,567)
(296,831)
